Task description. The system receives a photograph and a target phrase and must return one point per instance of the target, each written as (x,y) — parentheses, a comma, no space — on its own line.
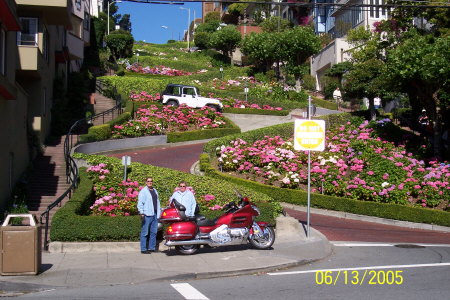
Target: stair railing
(71,140)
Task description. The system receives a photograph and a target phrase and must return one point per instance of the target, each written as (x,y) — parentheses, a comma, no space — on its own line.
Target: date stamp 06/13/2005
(356,277)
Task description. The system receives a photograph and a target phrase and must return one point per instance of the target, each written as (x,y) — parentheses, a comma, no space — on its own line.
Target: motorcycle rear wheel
(263,242)
(187,249)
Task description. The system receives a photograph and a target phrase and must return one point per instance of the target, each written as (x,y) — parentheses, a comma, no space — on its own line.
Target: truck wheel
(213,107)
(172,103)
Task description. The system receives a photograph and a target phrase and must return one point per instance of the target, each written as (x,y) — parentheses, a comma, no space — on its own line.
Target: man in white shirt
(186,198)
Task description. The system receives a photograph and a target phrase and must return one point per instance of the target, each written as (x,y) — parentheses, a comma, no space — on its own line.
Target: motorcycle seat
(203,221)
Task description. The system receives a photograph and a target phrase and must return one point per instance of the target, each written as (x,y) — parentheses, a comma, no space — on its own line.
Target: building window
(2,50)
(78,4)
(86,21)
(29,34)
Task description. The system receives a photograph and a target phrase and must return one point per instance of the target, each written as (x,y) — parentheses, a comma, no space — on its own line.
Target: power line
(306,4)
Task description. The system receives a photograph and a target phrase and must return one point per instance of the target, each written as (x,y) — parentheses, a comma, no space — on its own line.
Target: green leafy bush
(72,222)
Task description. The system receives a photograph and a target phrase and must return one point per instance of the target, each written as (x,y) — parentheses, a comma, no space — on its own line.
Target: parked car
(177,94)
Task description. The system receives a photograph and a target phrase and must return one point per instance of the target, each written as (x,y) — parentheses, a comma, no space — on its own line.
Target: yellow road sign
(309,135)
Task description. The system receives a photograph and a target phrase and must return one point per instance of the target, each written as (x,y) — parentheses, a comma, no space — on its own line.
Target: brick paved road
(338,229)
(335,229)
(179,158)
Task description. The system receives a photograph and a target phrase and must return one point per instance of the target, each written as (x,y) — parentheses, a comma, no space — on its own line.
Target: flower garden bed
(103,208)
(361,174)
(155,120)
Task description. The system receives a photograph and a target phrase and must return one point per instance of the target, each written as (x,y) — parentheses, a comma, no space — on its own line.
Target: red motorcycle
(236,226)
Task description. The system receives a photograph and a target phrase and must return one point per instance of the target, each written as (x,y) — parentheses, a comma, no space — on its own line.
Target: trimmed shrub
(183,136)
(253,111)
(299,197)
(72,222)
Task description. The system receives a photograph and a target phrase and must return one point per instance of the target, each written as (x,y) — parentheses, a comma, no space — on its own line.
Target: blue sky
(147,19)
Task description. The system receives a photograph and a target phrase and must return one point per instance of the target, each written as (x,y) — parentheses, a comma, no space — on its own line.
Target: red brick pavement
(179,158)
(339,229)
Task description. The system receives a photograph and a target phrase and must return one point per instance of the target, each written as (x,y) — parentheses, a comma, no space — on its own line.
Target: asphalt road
(352,272)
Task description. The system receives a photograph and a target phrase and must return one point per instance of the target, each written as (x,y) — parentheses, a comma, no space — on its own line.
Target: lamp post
(221,71)
(189,24)
(109,4)
(167,27)
(246,93)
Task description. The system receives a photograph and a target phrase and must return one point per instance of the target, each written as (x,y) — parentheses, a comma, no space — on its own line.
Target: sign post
(309,135)
(126,161)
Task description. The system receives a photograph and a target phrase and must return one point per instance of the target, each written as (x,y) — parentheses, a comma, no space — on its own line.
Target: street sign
(126,160)
(309,135)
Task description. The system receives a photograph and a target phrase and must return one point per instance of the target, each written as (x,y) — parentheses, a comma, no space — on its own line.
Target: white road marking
(188,291)
(368,244)
(364,268)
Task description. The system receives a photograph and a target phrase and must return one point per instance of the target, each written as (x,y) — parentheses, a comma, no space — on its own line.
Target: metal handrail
(71,165)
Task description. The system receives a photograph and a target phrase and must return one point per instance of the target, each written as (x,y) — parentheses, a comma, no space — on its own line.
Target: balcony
(76,46)
(32,63)
(56,12)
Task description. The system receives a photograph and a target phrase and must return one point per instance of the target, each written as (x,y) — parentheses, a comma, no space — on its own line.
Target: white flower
(384,184)
(296,180)
(235,161)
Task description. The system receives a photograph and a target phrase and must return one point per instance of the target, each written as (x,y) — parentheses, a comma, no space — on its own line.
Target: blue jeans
(148,233)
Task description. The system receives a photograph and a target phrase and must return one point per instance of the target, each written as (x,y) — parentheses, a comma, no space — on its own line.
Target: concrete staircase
(48,179)
(102,104)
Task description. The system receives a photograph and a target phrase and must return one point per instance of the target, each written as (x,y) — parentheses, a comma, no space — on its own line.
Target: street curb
(346,215)
(250,271)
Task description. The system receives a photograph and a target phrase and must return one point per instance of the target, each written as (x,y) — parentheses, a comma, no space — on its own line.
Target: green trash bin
(20,245)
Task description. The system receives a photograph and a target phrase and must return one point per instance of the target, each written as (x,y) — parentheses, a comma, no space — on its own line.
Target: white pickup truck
(177,94)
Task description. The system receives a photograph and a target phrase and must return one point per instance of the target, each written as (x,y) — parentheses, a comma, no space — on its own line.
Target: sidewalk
(93,264)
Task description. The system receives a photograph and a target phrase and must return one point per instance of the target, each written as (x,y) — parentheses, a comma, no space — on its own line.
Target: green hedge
(299,197)
(174,137)
(254,111)
(103,131)
(69,223)
(72,222)
(324,103)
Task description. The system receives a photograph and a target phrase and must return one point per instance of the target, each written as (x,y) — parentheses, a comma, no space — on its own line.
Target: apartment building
(78,37)
(346,16)
(39,42)
(14,154)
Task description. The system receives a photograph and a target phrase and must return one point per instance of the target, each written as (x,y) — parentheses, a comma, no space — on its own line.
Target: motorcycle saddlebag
(181,231)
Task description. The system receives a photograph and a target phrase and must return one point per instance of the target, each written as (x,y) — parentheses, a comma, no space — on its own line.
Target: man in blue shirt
(150,211)
(186,198)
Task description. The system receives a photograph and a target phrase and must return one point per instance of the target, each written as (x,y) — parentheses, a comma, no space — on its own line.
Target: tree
(298,44)
(293,47)
(225,40)
(275,24)
(120,43)
(213,16)
(420,65)
(201,40)
(209,27)
(125,23)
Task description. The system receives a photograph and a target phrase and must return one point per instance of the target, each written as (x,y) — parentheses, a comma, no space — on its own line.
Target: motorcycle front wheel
(264,242)
(187,249)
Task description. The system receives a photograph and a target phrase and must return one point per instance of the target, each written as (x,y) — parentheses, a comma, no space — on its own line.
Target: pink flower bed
(355,164)
(156,120)
(144,97)
(119,198)
(158,70)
